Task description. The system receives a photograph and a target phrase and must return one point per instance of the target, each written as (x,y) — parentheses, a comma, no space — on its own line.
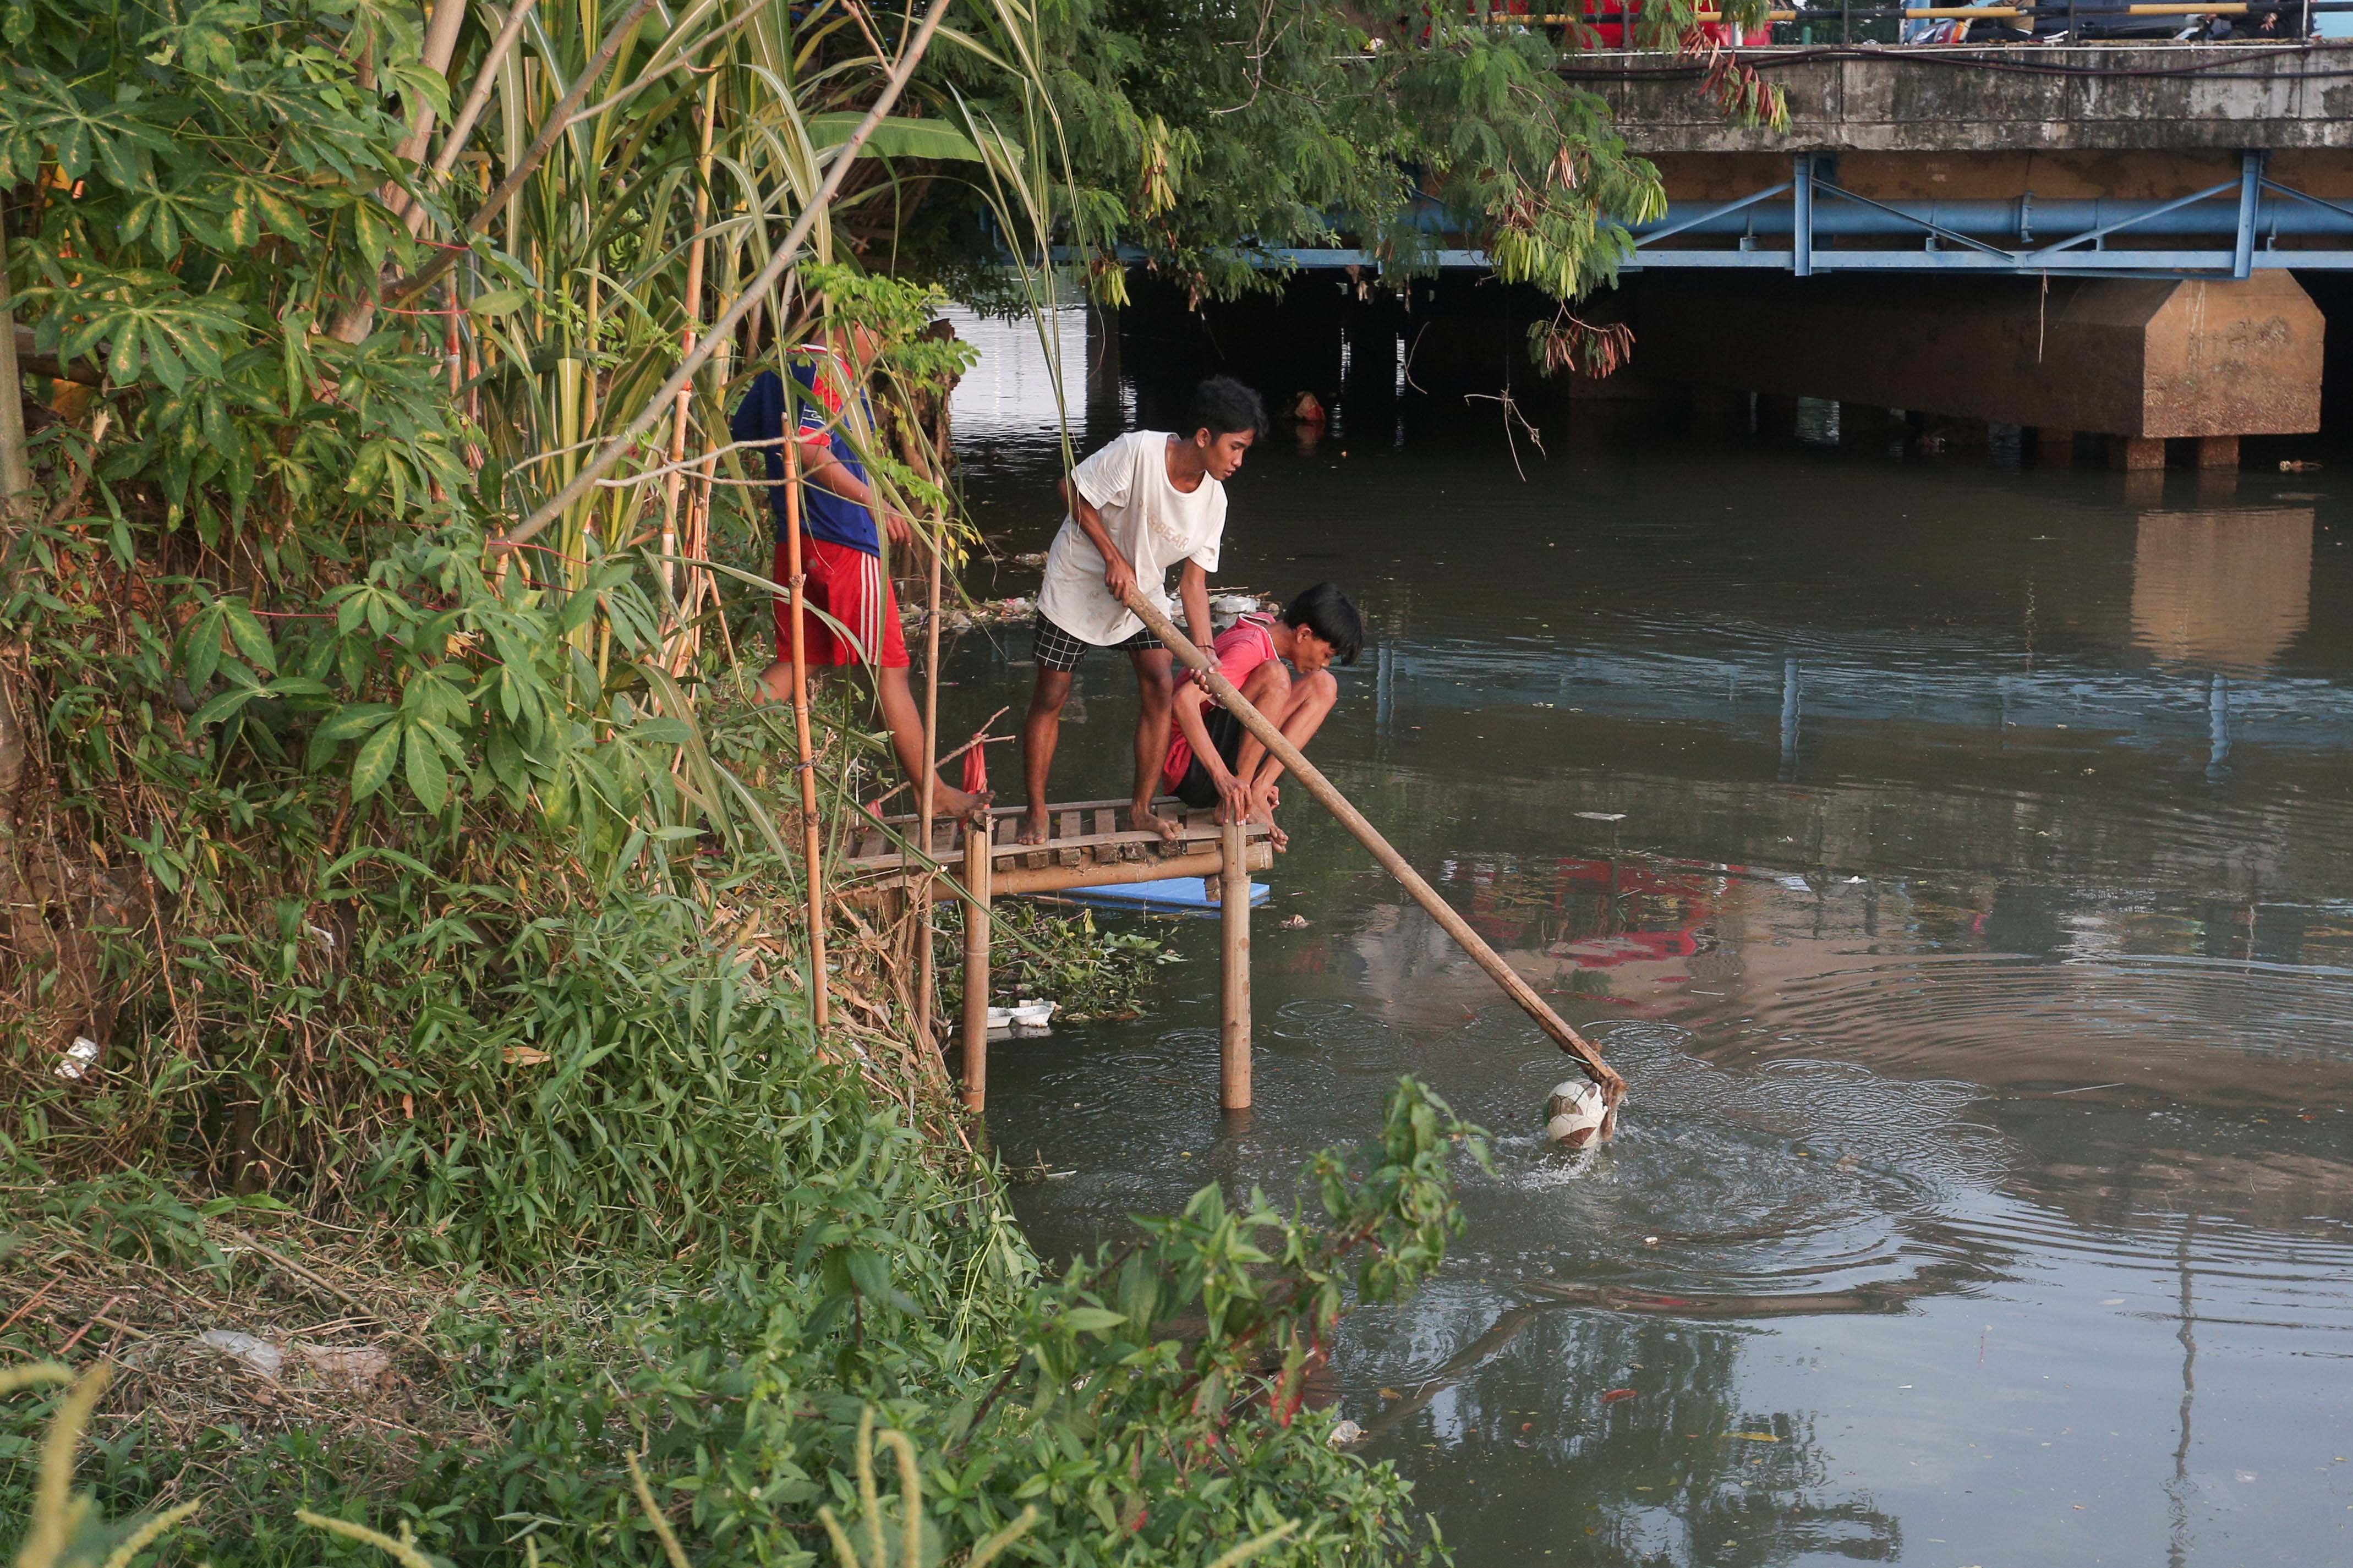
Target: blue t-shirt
(761,417)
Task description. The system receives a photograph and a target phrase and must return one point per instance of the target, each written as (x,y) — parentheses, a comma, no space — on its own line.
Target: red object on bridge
(1612,34)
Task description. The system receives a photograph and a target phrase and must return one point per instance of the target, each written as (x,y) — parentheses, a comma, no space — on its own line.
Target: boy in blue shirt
(841,550)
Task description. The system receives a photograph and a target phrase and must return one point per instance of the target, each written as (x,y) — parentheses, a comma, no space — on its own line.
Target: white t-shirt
(1155,525)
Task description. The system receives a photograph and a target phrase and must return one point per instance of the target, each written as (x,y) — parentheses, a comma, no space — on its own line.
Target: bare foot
(1035,829)
(956,805)
(1143,819)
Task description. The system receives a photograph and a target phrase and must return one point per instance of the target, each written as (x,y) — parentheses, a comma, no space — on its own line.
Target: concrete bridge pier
(2055,446)
(1866,426)
(2142,362)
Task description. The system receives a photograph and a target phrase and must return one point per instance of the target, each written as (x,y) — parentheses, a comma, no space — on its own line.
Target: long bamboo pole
(1612,1086)
(801,728)
(979,877)
(924,979)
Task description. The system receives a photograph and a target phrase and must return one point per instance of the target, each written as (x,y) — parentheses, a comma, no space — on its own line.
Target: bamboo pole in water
(1233,971)
(1612,1086)
(801,729)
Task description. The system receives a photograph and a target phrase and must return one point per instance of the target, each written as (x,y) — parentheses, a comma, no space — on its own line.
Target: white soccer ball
(1574,1112)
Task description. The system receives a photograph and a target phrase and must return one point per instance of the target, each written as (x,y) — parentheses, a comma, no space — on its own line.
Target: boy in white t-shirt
(1145,503)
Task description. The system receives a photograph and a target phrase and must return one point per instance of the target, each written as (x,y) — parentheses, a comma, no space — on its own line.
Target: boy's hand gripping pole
(1613,1088)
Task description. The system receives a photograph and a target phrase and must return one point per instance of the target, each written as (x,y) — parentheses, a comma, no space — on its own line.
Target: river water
(1957,859)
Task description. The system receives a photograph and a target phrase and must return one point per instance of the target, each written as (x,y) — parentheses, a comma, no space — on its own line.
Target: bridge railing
(2076,21)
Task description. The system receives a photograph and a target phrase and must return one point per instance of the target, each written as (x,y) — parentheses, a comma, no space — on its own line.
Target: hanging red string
(975,766)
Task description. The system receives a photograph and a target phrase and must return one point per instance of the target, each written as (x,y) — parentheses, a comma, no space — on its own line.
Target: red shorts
(851,587)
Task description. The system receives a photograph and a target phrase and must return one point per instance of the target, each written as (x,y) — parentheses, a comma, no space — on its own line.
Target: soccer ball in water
(1574,1114)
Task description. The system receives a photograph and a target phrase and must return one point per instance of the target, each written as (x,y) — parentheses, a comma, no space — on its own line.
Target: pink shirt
(1240,648)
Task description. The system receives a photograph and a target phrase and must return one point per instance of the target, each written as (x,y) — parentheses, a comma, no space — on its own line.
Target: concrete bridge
(2105,240)
(2099,239)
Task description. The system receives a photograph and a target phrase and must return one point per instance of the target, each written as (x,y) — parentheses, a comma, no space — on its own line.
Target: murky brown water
(1976,930)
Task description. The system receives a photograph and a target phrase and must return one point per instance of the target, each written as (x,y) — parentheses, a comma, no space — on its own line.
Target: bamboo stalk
(979,882)
(696,547)
(801,734)
(440,42)
(1613,1087)
(924,979)
(694,254)
(15,461)
(552,128)
(463,126)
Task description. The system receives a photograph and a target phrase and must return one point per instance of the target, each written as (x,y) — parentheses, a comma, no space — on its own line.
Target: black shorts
(1197,787)
(1058,649)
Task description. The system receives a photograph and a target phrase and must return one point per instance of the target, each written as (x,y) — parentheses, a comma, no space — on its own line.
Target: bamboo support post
(924,979)
(1310,776)
(976,854)
(1233,971)
(807,769)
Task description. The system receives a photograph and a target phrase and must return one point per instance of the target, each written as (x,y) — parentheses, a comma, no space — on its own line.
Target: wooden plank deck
(1086,834)
(1088,849)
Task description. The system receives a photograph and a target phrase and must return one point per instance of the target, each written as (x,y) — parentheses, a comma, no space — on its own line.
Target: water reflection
(1956,860)
(1665,1465)
(2222,590)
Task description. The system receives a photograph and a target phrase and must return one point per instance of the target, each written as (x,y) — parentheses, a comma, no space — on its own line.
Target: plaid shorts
(1058,649)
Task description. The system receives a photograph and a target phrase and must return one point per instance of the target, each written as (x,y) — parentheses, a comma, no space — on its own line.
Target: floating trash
(1027,1017)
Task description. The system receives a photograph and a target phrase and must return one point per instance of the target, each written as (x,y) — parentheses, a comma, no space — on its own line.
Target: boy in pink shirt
(1212,760)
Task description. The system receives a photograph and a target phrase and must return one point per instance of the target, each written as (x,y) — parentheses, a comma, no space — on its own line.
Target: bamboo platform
(1091,846)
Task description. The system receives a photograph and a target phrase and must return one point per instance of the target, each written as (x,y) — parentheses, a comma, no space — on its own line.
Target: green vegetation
(1208,135)
(402,952)
(1093,972)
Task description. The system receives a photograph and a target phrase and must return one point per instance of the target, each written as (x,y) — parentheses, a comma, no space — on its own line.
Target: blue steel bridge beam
(2251,192)
(2246,215)
(1933,229)
(1806,221)
(2033,260)
(1801,245)
(2074,264)
(2304,216)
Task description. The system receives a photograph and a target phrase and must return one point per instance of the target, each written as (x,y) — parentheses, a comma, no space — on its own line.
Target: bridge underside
(2149,358)
(2099,241)
(2083,239)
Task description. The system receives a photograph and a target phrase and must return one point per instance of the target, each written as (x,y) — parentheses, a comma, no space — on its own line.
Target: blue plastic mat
(1169,896)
